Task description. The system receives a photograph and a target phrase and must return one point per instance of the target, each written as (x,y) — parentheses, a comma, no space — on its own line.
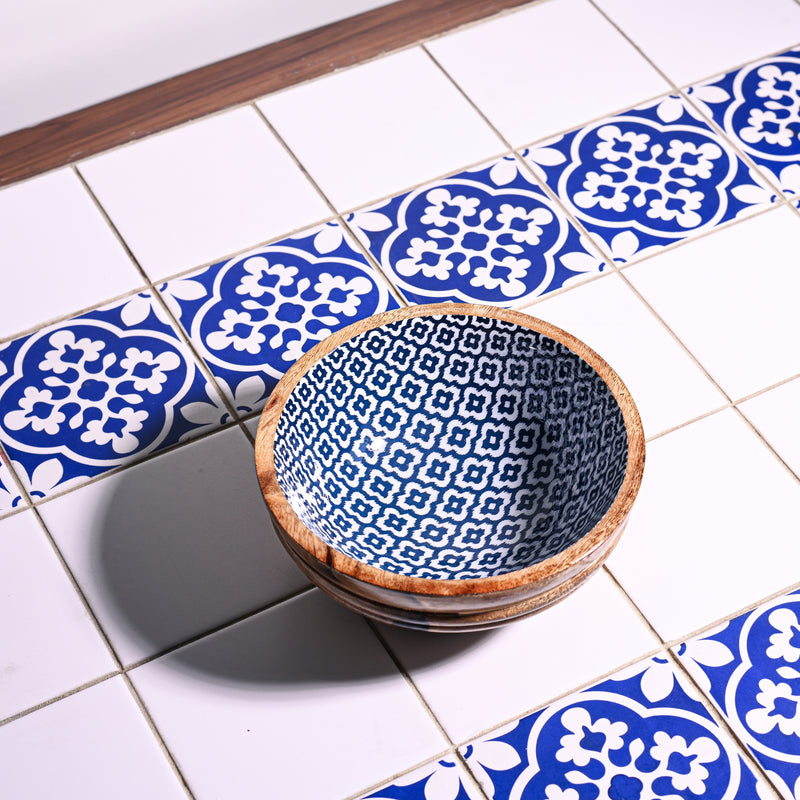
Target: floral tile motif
(751,668)
(86,395)
(488,235)
(252,317)
(443,780)
(639,735)
(759,108)
(10,496)
(650,177)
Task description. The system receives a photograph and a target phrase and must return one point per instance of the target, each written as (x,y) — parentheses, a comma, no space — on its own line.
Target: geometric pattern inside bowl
(451,447)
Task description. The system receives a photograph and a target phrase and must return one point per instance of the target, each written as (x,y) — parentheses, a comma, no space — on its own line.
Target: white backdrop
(57,56)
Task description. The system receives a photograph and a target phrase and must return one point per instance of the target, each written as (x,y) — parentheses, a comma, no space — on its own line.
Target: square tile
(202,191)
(372,130)
(532,78)
(774,413)
(711,530)
(301,699)
(175,546)
(488,235)
(749,667)
(252,317)
(649,177)
(667,386)
(758,107)
(50,645)
(444,779)
(731,299)
(690,40)
(94,745)
(642,733)
(475,681)
(64,256)
(94,392)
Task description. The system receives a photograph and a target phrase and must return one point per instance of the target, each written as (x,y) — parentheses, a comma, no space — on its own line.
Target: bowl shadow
(183,547)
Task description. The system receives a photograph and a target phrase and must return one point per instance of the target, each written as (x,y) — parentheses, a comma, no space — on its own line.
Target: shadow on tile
(183,545)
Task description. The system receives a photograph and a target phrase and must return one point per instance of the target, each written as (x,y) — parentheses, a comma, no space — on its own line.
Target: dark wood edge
(590,547)
(236,80)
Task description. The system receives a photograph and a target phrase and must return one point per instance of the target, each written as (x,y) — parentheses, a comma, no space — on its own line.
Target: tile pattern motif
(759,108)
(650,177)
(488,235)
(252,317)
(388,456)
(749,667)
(440,781)
(97,391)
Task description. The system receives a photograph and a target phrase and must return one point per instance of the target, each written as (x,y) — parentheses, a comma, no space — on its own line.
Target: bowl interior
(451,447)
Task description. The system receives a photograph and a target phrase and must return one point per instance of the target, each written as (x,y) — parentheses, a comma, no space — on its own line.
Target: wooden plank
(236,80)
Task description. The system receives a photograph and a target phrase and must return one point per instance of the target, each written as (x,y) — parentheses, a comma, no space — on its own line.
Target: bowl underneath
(451,447)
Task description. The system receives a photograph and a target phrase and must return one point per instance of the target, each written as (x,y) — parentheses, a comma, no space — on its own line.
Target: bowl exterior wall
(445,612)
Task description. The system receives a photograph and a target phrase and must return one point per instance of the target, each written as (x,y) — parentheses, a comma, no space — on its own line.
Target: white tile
(692,39)
(49,643)
(444,779)
(300,701)
(775,414)
(713,529)
(61,252)
(380,127)
(731,297)
(198,193)
(174,546)
(532,77)
(93,745)
(476,681)
(666,384)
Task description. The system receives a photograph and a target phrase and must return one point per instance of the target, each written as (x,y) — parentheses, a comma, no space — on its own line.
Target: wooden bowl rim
(545,570)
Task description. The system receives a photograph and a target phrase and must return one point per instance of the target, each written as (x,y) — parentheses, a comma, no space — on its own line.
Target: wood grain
(233,81)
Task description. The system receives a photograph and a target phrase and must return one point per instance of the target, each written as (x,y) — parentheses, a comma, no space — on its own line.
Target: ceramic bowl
(449,467)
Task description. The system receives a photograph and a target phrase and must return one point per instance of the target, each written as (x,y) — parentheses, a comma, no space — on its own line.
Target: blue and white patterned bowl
(449,467)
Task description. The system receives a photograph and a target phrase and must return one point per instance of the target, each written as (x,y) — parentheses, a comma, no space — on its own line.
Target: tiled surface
(517,51)
(487,235)
(329,689)
(41,615)
(692,524)
(743,329)
(50,231)
(749,668)
(665,235)
(95,744)
(689,40)
(174,546)
(380,127)
(668,386)
(759,108)
(255,315)
(642,733)
(649,177)
(590,633)
(200,192)
(774,413)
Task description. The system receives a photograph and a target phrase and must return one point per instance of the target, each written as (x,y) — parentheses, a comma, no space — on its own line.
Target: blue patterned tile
(759,108)
(252,317)
(488,235)
(751,668)
(655,175)
(443,780)
(639,735)
(94,392)
(11,497)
